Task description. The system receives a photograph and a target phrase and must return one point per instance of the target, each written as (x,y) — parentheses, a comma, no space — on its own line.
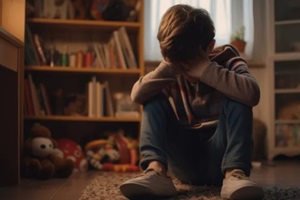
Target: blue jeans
(198,157)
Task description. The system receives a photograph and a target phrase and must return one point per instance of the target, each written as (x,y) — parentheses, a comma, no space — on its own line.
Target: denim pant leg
(231,145)
(163,138)
(153,131)
(235,132)
(193,158)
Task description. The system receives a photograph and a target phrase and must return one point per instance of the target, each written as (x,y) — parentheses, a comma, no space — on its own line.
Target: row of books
(38,102)
(99,99)
(36,98)
(116,53)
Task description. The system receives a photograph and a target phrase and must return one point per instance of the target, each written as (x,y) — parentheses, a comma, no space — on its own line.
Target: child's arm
(152,83)
(233,80)
(236,82)
(230,76)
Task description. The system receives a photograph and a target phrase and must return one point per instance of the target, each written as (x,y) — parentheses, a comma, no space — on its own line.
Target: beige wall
(12,17)
(261,110)
(1,13)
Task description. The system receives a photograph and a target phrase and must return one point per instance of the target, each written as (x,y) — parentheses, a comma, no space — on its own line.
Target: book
(106,55)
(45,98)
(92,95)
(127,48)
(99,99)
(28,98)
(99,61)
(41,101)
(34,97)
(107,99)
(30,52)
(119,50)
(40,49)
(102,54)
(90,99)
(112,54)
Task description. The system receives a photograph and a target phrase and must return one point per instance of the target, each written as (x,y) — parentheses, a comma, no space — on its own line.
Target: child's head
(183,30)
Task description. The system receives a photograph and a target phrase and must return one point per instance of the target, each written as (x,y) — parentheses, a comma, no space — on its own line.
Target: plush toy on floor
(40,158)
(72,151)
(116,153)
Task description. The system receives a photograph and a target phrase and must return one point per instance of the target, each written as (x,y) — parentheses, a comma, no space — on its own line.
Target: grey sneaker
(239,187)
(148,185)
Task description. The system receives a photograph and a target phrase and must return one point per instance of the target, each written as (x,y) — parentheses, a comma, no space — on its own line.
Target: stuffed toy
(41,158)
(72,151)
(116,153)
(101,151)
(79,9)
(116,10)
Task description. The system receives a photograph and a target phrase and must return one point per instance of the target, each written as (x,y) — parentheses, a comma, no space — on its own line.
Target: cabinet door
(287,26)
(287,103)
(10,106)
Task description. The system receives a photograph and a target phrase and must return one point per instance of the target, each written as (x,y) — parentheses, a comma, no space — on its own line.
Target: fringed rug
(106,187)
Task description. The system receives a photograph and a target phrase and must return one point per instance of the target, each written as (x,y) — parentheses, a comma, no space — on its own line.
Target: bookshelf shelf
(82,24)
(83,118)
(81,70)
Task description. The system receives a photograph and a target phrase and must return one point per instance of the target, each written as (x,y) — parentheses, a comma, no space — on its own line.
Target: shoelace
(237,173)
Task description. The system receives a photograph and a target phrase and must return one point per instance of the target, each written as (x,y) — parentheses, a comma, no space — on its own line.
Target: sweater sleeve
(152,83)
(233,80)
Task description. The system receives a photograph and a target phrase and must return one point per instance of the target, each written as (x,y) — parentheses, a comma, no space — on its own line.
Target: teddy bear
(40,157)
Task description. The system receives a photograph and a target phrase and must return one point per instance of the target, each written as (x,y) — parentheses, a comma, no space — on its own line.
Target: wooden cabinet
(11,75)
(77,36)
(284,60)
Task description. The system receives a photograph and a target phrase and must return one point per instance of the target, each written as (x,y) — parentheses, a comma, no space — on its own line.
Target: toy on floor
(40,158)
(116,153)
(72,151)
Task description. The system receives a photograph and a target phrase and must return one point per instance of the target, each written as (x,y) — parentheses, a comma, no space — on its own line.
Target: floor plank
(278,173)
(32,189)
(74,187)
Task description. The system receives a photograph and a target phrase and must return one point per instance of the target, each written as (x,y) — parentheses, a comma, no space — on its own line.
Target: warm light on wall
(12,17)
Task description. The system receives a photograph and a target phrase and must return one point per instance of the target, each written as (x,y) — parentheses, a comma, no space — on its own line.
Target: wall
(1,13)
(262,111)
(12,17)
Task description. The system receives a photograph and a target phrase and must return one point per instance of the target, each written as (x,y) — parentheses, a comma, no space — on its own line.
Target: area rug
(106,187)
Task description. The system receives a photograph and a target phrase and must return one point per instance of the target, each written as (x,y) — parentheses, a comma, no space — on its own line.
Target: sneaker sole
(248,193)
(137,192)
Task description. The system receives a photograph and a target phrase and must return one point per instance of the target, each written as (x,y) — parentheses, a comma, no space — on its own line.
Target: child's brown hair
(183,30)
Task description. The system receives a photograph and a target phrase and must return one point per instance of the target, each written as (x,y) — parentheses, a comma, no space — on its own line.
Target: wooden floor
(278,173)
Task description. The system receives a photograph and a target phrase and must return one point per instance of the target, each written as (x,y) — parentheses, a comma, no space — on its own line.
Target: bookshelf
(79,36)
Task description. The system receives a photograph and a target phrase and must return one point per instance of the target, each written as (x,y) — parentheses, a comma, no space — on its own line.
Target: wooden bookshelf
(76,34)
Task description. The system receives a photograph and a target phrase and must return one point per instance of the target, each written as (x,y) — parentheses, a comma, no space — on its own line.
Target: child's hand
(192,70)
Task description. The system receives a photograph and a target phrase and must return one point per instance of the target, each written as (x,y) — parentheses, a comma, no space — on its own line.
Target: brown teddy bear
(41,159)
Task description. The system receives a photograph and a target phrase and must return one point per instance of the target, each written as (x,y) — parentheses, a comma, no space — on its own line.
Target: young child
(197,117)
